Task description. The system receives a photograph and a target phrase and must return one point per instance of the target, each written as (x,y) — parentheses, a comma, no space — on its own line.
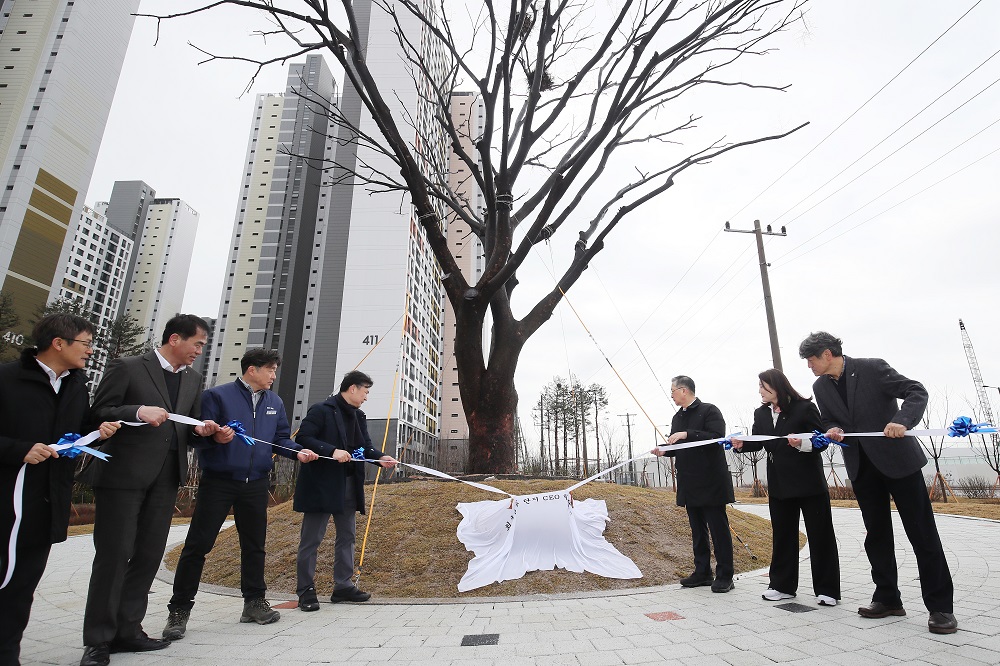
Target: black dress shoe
(942,623)
(352,594)
(140,643)
(96,655)
(697,579)
(878,609)
(308,601)
(723,585)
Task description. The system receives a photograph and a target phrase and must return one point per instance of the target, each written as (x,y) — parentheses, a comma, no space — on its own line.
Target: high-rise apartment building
(60,65)
(467,114)
(126,211)
(379,287)
(274,238)
(162,263)
(341,278)
(95,273)
(98,263)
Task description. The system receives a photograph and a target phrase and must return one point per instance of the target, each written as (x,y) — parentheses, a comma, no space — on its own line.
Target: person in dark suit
(795,485)
(860,395)
(43,396)
(704,486)
(135,491)
(334,429)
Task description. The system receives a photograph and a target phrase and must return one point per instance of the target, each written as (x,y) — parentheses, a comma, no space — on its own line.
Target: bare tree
(569,92)
(934,446)
(986,447)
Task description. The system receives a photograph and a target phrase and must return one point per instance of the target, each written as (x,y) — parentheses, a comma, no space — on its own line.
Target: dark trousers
(823,557)
(705,520)
(873,490)
(16,598)
(130,534)
(216,497)
(313,530)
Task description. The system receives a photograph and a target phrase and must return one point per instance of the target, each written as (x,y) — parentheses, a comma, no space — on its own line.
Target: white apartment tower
(162,263)
(379,303)
(59,69)
(96,272)
(98,262)
(271,256)
(467,114)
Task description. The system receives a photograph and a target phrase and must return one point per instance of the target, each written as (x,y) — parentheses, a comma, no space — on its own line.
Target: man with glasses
(704,485)
(136,489)
(42,397)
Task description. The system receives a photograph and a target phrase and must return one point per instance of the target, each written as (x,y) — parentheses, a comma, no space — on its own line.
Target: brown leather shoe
(878,609)
(942,623)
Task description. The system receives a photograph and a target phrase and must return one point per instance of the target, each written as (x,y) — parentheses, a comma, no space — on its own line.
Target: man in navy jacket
(235,475)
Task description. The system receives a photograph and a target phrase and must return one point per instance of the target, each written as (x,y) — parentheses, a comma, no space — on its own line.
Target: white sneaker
(773,595)
(824,600)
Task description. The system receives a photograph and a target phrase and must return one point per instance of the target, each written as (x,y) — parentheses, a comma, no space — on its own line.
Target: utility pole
(597,434)
(628,426)
(768,306)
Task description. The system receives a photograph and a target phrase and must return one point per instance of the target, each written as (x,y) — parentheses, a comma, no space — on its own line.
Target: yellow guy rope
(385,438)
(639,404)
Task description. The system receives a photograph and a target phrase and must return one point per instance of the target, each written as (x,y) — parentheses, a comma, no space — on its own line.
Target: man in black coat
(334,429)
(135,491)
(43,396)
(704,485)
(860,395)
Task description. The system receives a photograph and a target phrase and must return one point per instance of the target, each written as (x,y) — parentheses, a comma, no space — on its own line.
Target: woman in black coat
(796,484)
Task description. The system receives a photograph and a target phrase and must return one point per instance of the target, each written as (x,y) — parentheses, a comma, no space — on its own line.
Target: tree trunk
(491,428)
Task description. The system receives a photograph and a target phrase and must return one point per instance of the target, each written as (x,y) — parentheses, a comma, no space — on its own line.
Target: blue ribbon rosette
(963,427)
(820,441)
(358,454)
(241,432)
(74,451)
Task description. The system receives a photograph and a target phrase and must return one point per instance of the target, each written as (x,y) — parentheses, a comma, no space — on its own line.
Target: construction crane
(977,377)
(991,453)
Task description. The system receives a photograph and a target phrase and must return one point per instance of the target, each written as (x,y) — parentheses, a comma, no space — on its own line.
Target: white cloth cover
(538,533)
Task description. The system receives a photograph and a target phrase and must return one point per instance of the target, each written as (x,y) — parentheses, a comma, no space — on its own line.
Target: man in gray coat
(135,490)
(860,395)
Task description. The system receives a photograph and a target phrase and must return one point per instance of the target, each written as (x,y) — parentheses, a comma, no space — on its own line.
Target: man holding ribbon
(235,475)
(857,395)
(135,491)
(336,428)
(43,396)
(704,486)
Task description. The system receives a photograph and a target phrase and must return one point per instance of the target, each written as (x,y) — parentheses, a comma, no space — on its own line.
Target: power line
(856,111)
(781,259)
(939,121)
(935,184)
(886,138)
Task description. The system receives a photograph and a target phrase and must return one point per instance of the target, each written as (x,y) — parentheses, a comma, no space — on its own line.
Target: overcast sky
(889,262)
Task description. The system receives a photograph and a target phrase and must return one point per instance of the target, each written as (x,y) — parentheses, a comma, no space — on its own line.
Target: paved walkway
(662,625)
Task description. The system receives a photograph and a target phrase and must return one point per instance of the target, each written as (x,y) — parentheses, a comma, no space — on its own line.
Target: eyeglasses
(675,388)
(89,344)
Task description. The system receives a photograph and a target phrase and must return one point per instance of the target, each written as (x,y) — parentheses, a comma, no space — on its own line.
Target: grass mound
(413,551)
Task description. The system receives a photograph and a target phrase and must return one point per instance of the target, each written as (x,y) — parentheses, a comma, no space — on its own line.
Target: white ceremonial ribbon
(12,542)
(81,443)
(177,418)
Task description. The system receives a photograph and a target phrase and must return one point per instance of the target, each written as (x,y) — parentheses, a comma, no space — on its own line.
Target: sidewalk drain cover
(480,639)
(793,607)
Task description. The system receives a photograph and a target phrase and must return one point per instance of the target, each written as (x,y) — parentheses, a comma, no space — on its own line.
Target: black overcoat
(790,472)
(30,412)
(321,484)
(703,477)
(873,390)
